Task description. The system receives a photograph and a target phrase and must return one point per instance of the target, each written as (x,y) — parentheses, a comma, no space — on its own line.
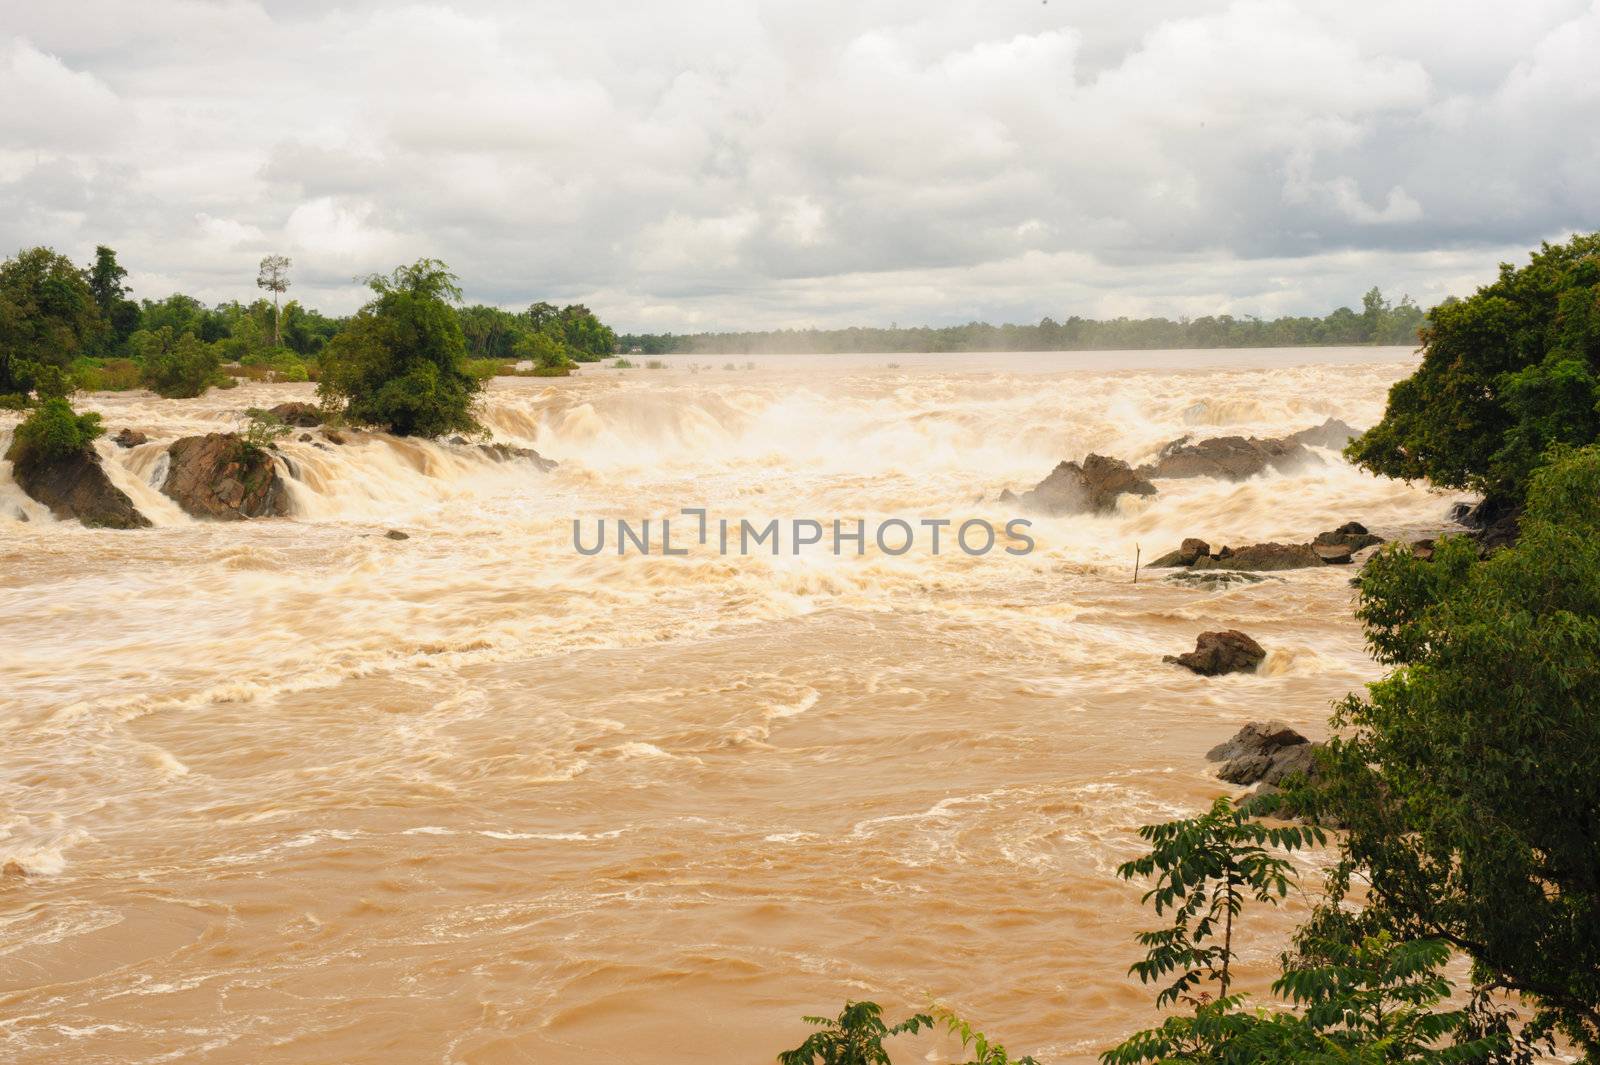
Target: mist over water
(289,791)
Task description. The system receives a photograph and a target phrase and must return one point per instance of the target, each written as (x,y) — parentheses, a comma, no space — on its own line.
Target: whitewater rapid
(290,790)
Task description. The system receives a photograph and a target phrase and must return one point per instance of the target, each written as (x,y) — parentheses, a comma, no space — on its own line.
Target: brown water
(293,792)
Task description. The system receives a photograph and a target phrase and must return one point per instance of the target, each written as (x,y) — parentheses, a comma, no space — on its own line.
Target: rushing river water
(291,791)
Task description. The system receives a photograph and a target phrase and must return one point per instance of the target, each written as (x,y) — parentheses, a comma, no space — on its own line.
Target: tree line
(1378,322)
(1461,793)
(56,317)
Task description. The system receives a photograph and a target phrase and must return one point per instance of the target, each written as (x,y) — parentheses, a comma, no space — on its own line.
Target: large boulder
(1188,553)
(299,415)
(218,476)
(1333,434)
(130,438)
(1093,487)
(77,487)
(1351,534)
(1232,458)
(1215,653)
(1265,753)
(1268,556)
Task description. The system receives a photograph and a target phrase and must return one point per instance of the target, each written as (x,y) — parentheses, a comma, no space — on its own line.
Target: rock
(1332,433)
(1269,556)
(1233,458)
(77,487)
(304,438)
(1266,753)
(1334,554)
(130,438)
(1422,549)
(1496,523)
(1351,534)
(1255,738)
(333,436)
(1215,653)
(1008,496)
(1093,487)
(299,415)
(217,476)
(507,453)
(396,534)
(1186,555)
(1212,579)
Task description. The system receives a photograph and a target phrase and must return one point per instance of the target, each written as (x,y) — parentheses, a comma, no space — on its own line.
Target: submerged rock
(217,476)
(1215,653)
(1232,458)
(1093,487)
(299,415)
(396,534)
(507,453)
(77,487)
(130,438)
(1218,578)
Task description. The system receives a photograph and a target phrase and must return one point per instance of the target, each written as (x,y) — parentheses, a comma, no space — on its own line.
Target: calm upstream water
(291,791)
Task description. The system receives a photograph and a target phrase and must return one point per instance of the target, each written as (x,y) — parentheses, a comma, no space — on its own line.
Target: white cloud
(694,164)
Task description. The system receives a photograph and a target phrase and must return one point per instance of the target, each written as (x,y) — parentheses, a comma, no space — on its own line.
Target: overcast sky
(683,165)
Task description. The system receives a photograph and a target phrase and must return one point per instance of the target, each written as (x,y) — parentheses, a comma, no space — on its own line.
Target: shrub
(263,429)
(655,364)
(106,375)
(53,431)
(398,364)
(186,371)
(622,364)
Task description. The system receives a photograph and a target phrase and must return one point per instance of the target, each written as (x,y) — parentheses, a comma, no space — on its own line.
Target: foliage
(544,350)
(855,1037)
(273,275)
(106,375)
(398,364)
(1470,778)
(120,314)
(53,431)
(1378,322)
(48,315)
(589,339)
(184,370)
(1205,868)
(1504,375)
(984,1051)
(262,429)
(623,364)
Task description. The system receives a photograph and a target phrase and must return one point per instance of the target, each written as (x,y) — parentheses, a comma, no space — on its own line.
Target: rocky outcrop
(299,415)
(1187,554)
(1333,434)
(1215,653)
(1265,753)
(217,476)
(1232,458)
(1093,487)
(507,453)
(1268,556)
(130,438)
(77,487)
(1351,534)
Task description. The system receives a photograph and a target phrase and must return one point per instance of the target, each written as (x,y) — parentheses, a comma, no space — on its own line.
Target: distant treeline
(1378,322)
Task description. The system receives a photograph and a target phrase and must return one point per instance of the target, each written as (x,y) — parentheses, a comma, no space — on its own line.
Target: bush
(186,371)
(106,375)
(263,429)
(622,364)
(399,363)
(53,431)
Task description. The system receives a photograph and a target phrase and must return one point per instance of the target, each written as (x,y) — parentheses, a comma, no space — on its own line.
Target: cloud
(694,164)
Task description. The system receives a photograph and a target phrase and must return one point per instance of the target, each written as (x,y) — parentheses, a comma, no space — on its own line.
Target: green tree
(53,431)
(1470,776)
(1206,868)
(184,370)
(589,338)
(855,1037)
(1504,375)
(120,314)
(545,351)
(48,315)
(273,275)
(399,363)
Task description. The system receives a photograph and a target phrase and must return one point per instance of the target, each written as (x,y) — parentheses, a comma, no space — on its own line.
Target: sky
(681,165)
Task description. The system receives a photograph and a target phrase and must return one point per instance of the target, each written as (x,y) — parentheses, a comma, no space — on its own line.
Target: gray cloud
(688,164)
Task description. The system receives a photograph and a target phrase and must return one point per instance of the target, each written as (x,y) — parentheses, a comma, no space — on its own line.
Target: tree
(120,314)
(273,275)
(589,338)
(1205,868)
(1470,776)
(545,351)
(1504,375)
(53,431)
(48,315)
(398,364)
(183,370)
